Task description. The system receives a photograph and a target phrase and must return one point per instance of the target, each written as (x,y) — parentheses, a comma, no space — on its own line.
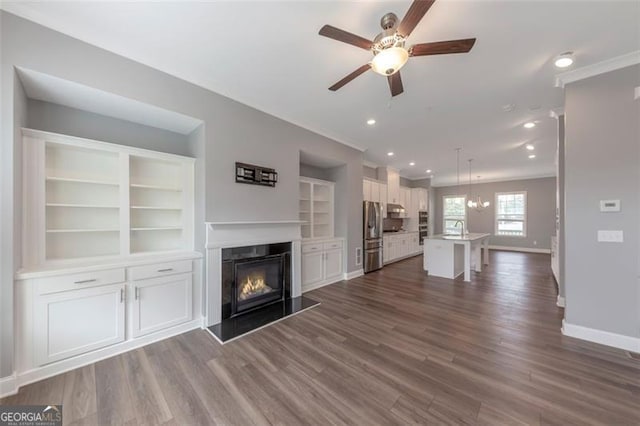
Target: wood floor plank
(79,400)
(391,347)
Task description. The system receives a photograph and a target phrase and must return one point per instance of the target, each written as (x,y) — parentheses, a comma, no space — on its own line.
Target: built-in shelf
(316,208)
(83,206)
(155,208)
(88,199)
(159,228)
(158,187)
(56,231)
(80,180)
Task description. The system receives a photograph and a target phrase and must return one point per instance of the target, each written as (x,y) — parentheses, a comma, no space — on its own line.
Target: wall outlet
(610,236)
(535,242)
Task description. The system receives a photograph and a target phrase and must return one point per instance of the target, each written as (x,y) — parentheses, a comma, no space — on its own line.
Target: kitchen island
(449,256)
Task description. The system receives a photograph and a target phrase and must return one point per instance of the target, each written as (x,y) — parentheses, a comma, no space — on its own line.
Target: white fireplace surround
(239,234)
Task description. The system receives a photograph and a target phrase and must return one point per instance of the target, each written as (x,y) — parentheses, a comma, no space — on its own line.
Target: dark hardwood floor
(392,347)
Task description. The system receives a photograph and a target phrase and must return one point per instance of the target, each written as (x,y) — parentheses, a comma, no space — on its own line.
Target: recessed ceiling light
(428,171)
(390,154)
(529,125)
(371,122)
(412,163)
(531,147)
(565,60)
(532,156)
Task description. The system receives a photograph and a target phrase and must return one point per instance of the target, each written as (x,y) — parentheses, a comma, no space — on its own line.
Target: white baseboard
(11,384)
(353,274)
(8,386)
(521,249)
(560,302)
(619,341)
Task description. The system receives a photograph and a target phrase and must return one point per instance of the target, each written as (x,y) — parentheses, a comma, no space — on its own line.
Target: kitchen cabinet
(322,263)
(370,190)
(383,198)
(419,199)
(366,190)
(399,246)
(405,201)
(393,186)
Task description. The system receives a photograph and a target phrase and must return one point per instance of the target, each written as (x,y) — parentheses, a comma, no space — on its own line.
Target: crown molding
(608,65)
(370,164)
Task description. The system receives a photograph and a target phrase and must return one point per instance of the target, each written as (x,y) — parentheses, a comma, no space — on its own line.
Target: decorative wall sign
(255,175)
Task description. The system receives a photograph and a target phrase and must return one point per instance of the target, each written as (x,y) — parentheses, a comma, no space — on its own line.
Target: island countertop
(472,236)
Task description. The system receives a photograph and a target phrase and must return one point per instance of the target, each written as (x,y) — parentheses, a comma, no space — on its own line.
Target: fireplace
(254,277)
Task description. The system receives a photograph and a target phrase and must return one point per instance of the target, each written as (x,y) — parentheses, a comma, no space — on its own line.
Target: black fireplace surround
(254,277)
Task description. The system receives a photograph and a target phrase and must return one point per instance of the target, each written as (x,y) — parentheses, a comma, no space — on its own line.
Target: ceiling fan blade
(395,84)
(442,47)
(350,77)
(345,37)
(414,15)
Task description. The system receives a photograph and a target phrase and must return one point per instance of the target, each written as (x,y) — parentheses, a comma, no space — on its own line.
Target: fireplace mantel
(221,235)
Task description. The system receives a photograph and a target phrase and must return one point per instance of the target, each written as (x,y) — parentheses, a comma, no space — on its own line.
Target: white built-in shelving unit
(316,206)
(87,199)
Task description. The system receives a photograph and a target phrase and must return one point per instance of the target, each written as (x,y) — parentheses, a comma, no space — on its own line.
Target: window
(511,214)
(454,213)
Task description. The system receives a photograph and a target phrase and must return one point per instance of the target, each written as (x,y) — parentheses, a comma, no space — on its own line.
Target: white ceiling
(268,54)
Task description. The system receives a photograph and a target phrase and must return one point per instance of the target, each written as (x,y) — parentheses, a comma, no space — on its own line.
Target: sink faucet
(462,230)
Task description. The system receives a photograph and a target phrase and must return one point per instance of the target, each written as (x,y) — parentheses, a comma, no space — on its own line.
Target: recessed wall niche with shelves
(86,199)
(316,205)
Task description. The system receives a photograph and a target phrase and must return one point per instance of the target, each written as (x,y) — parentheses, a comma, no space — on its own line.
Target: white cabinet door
(332,264)
(162,302)
(383,198)
(366,190)
(375,192)
(312,268)
(77,321)
(393,186)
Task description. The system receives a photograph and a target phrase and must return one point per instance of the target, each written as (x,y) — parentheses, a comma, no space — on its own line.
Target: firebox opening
(253,285)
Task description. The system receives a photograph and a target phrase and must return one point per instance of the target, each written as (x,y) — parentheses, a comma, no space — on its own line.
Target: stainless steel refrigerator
(372,236)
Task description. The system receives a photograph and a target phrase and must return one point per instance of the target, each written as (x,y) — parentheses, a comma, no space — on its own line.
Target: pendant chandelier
(476,204)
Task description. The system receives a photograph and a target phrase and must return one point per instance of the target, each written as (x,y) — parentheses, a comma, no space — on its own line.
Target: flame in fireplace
(253,285)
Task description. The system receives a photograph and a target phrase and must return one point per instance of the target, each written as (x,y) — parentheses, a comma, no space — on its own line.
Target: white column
(467,261)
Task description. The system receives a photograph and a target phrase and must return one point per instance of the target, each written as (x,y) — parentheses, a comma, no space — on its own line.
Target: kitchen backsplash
(392,224)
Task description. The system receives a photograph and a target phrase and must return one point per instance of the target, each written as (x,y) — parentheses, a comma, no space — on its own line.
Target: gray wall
(602,145)
(70,121)
(232,132)
(541,194)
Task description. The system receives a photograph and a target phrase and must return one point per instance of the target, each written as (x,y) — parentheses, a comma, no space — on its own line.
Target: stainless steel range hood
(394,208)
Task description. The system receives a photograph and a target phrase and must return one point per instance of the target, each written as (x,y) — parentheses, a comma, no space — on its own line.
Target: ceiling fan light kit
(388,47)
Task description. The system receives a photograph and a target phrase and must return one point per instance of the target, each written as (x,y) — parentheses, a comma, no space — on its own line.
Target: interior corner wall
(602,162)
(560,197)
(541,194)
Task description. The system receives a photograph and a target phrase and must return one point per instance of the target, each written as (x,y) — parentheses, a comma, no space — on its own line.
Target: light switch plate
(610,236)
(608,206)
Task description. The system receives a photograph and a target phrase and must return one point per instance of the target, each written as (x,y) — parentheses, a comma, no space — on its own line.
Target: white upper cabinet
(371,190)
(393,186)
(89,199)
(316,206)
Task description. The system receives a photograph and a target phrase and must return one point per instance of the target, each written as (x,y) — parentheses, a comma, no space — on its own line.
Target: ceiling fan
(388,47)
